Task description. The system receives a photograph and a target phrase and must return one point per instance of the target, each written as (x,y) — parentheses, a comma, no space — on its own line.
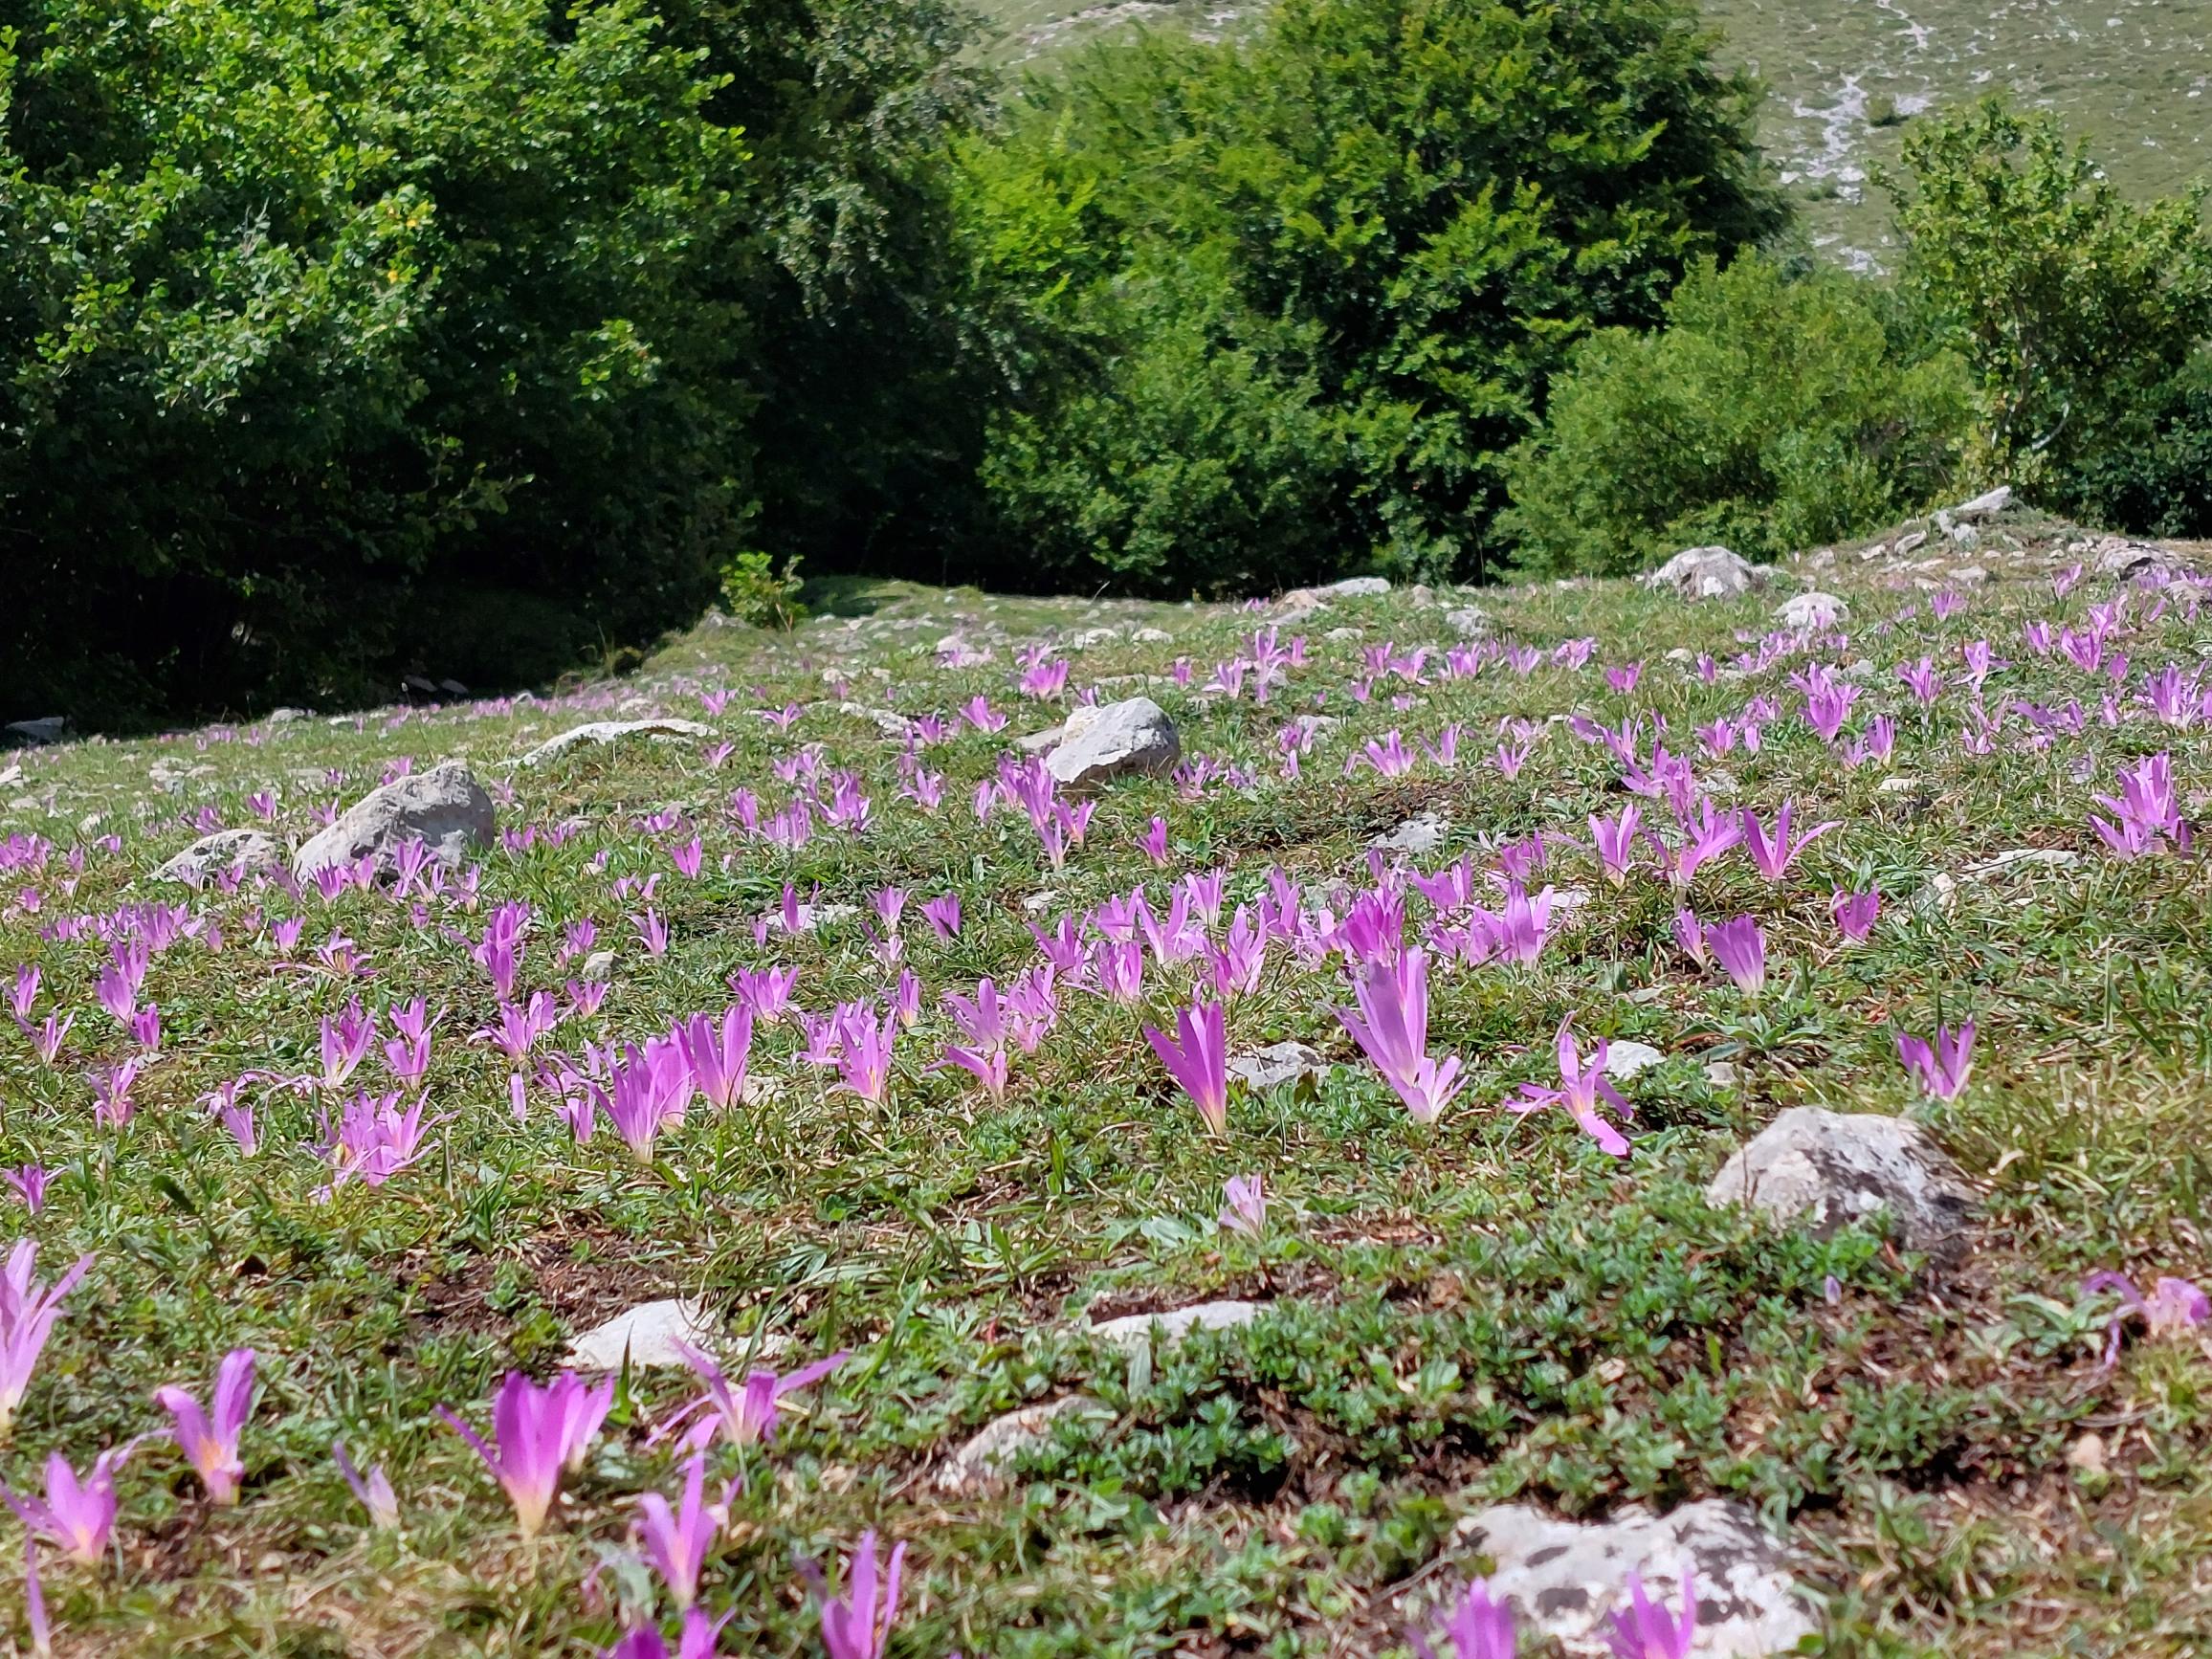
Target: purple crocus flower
(2173,1306)
(77,1516)
(1855,914)
(1646,1630)
(1199,1063)
(856,1625)
(29,1179)
(864,1049)
(374,1490)
(695,1641)
(1774,857)
(1740,949)
(767,991)
(943,914)
(746,1414)
(1392,1028)
(28,1311)
(1580,1088)
(541,1433)
(717,1051)
(210,1439)
(678,1536)
(1480,1628)
(1247,1209)
(650,1090)
(346,1041)
(1615,841)
(1939,1072)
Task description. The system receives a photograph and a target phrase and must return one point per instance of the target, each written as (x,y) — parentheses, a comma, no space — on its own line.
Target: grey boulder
(445,809)
(224,850)
(599,732)
(1832,1168)
(1706,573)
(984,1463)
(1137,1330)
(1814,610)
(650,1334)
(1108,741)
(1565,1579)
(1277,1064)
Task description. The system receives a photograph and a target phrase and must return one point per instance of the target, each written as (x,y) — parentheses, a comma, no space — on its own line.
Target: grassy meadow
(1491,1306)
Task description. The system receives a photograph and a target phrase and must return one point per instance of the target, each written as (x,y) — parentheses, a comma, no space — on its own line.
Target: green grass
(1486,1309)
(1846,77)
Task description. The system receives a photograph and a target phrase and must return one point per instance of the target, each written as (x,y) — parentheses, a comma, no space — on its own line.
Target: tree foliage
(1773,411)
(1278,308)
(2070,305)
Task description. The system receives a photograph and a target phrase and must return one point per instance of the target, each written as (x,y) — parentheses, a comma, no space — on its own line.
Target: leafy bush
(2152,472)
(1770,412)
(755,591)
(1274,309)
(310,306)
(2071,307)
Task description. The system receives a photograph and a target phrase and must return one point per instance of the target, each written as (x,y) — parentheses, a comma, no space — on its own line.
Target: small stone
(1835,1168)
(288,716)
(1625,1059)
(445,807)
(2087,1455)
(1910,543)
(598,732)
(2021,861)
(48,729)
(598,967)
(889,722)
(1277,1064)
(1984,506)
(1112,741)
(1814,610)
(1899,785)
(984,1463)
(1417,837)
(1720,1074)
(226,849)
(1037,904)
(1135,1330)
(1042,742)
(2117,557)
(1467,621)
(1565,1579)
(1153,636)
(1355,588)
(648,1334)
(1345,633)
(1969,576)
(1706,573)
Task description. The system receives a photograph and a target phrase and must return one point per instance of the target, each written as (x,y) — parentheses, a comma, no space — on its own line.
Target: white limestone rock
(1832,1168)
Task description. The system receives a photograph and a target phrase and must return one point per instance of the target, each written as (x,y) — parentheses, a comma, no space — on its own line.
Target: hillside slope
(785,981)
(2133,77)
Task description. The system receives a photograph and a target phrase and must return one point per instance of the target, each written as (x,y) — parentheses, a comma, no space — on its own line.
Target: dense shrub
(1274,309)
(308,307)
(2072,307)
(867,403)
(468,336)
(2150,472)
(1770,412)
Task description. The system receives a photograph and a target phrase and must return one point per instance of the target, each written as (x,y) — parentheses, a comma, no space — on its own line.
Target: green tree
(339,335)
(1770,412)
(2069,304)
(1371,232)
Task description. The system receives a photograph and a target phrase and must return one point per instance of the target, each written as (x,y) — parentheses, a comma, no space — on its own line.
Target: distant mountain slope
(2133,77)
